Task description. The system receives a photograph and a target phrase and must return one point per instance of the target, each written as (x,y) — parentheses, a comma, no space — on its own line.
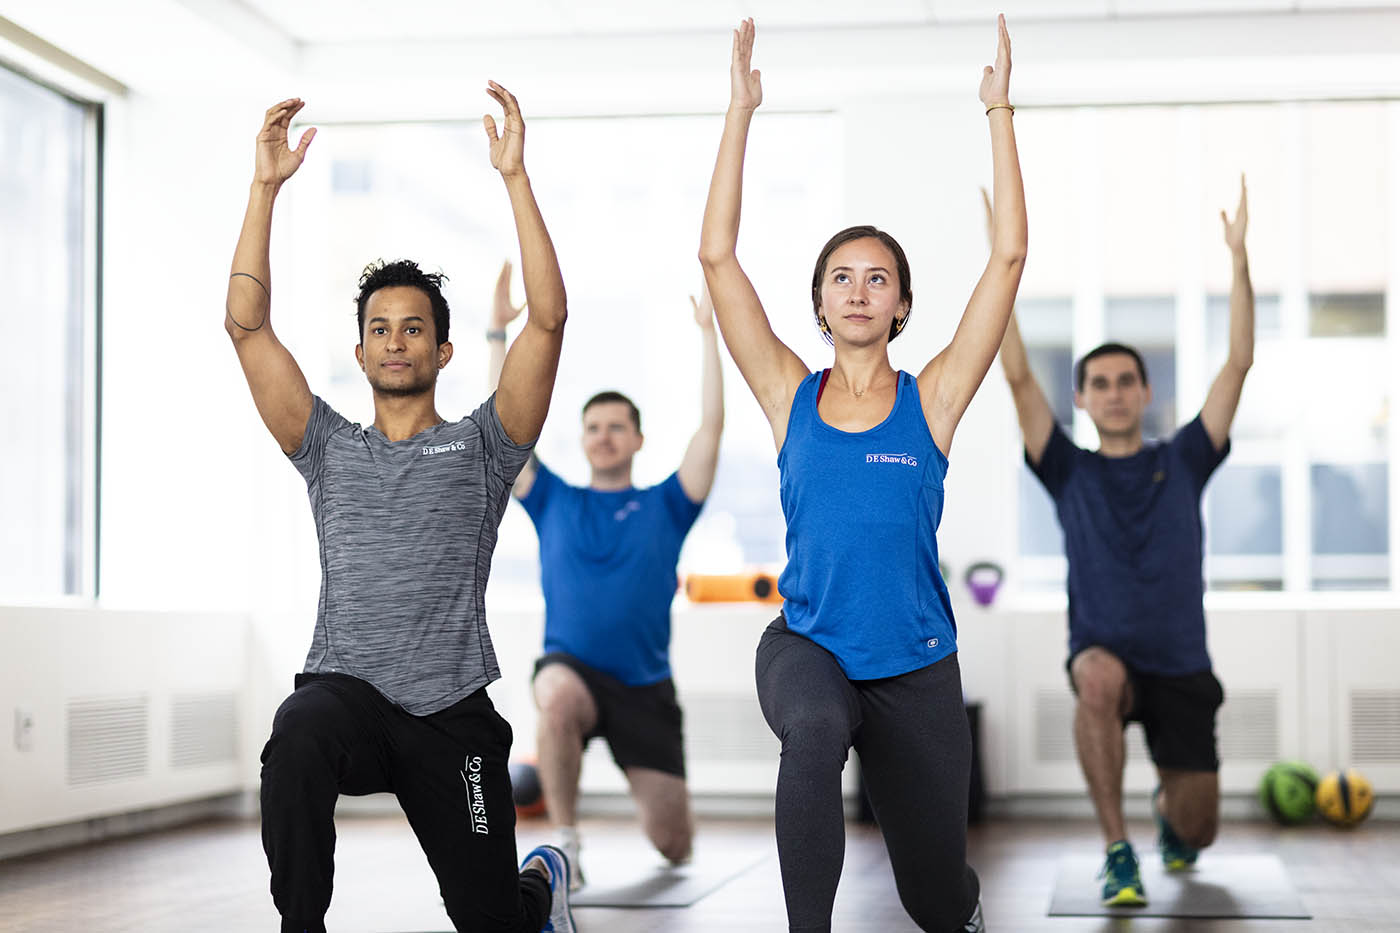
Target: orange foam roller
(750,587)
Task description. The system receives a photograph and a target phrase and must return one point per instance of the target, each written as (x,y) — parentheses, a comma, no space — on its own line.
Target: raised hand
(704,308)
(502,311)
(507,149)
(276,161)
(996,78)
(1234,229)
(745,88)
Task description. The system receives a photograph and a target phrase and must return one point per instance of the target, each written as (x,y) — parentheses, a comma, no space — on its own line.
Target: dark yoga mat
(1220,886)
(637,877)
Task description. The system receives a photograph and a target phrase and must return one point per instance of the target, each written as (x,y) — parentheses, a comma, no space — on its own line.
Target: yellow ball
(1345,798)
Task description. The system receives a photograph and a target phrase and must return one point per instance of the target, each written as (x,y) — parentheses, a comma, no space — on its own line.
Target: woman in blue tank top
(863,655)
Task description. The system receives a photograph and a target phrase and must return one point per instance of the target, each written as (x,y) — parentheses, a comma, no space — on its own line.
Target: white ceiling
(331,21)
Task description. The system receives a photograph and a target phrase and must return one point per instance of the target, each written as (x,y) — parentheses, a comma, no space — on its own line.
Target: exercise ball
(1345,798)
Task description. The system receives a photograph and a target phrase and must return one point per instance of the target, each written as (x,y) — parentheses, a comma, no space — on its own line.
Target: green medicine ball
(1288,792)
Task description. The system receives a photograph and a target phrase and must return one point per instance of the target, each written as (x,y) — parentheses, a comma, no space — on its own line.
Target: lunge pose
(608,555)
(864,653)
(1131,515)
(393,697)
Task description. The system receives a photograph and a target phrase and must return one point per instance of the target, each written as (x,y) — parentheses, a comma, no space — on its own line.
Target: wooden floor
(212,876)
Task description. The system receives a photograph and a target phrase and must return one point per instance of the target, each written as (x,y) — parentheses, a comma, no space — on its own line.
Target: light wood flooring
(212,876)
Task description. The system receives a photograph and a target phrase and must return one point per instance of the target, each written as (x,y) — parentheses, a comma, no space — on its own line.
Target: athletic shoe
(561,919)
(974,923)
(571,851)
(1122,886)
(1176,855)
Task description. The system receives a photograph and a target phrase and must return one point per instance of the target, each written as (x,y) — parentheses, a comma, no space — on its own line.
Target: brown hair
(861,232)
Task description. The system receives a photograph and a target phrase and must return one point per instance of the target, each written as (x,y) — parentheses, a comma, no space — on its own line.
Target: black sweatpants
(915,752)
(338,735)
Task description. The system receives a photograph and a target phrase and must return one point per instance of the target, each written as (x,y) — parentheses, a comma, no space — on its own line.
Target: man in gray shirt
(393,694)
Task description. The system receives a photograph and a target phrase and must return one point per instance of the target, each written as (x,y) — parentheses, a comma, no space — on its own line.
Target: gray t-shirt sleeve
(310,457)
(503,455)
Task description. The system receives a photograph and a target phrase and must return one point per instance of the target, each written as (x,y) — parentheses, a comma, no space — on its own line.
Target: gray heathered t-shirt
(406,532)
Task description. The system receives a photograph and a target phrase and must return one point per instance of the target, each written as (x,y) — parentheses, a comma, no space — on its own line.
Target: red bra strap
(826,374)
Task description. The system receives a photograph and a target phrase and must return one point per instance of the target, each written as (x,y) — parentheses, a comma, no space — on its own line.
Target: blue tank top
(862,576)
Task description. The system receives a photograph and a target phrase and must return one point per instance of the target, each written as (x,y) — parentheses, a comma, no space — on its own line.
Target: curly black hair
(381,274)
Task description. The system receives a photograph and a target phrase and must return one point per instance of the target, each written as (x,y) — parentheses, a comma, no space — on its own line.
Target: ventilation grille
(724,727)
(1248,726)
(1375,726)
(1054,728)
(203,729)
(107,739)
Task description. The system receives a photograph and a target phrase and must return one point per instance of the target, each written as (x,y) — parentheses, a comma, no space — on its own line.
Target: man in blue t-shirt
(1131,515)
(608,554)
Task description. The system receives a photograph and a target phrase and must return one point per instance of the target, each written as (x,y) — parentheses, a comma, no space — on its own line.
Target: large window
(1305,500)
(623,199)
(47,238)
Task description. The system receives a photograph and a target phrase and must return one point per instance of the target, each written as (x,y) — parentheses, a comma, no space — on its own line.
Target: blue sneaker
(1176,855)
(561,919)
(1122,886)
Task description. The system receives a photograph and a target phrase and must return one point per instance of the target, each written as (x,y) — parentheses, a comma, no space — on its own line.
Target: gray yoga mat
(636,877)
(1220,886)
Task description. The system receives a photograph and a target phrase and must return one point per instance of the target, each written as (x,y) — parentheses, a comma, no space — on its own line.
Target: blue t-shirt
(1133,538)
(608,570)
(862,509)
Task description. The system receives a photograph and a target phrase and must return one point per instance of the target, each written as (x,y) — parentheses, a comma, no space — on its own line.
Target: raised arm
(772,371)
(697,472)
(1032,410)
(527,374)
(1224,398)
(279,389)
(503,311)
(949,381)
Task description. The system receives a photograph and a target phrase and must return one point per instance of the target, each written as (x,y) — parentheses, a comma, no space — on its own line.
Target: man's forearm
(250,276)
(1241,312)
(711,383)
(539,266)
(1014,362)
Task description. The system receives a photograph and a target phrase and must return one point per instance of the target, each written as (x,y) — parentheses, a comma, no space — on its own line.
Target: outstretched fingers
(506,99)
(1003,42)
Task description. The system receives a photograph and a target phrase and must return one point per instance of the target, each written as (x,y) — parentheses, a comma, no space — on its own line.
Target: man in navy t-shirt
(608,554)
(1131,515)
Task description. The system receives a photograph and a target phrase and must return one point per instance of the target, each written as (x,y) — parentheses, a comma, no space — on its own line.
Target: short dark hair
(1104,350)
(608,395)
(380,274)
(861,232)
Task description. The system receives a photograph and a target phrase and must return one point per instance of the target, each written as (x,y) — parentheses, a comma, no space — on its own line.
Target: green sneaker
(1122,886)
(1176,855)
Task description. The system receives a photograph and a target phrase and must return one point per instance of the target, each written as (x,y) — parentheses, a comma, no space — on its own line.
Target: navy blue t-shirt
(1132,529)
(608,570)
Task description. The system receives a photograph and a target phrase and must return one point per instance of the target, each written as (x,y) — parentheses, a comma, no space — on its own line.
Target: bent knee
(673,844)
(1199,832)
(1100,680)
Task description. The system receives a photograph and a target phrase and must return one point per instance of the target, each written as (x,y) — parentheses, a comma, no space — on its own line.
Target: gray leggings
(915,750)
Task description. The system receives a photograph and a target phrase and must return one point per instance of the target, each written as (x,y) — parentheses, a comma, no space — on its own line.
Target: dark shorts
(1177,715)
(642,725)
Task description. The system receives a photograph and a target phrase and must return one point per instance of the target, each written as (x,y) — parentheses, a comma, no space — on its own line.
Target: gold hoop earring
(822,325)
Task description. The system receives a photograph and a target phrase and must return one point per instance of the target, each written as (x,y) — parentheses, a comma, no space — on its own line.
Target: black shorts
(1177,715)
(642,725)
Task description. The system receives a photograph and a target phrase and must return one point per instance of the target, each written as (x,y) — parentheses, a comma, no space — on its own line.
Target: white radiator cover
(129,711)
